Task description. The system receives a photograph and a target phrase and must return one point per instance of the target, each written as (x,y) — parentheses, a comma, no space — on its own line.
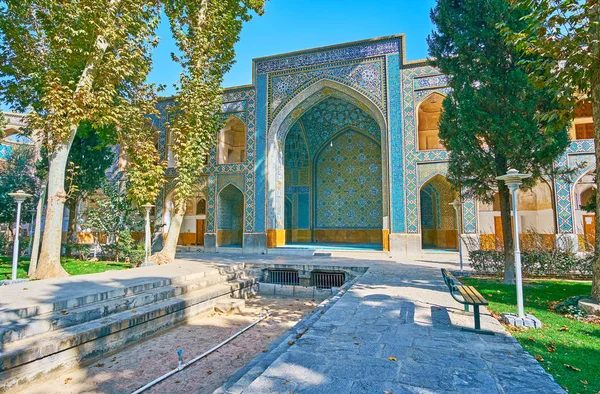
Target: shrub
(535,263)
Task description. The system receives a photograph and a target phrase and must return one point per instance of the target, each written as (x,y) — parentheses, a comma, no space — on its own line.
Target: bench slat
(471,295)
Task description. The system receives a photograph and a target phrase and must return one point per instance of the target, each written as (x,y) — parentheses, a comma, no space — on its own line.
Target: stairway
(66,332)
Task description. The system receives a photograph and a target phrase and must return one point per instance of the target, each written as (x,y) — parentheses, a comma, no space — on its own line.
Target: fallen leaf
(133,311)
(563,328)
(64,312)
(539,358)
(25,288)
(572,368)
(584,381)
(291,342)
(99,365)
(392,358)
(551,349)
(387,392)
(357,343)
(209,372)
(265,351)
(67,380)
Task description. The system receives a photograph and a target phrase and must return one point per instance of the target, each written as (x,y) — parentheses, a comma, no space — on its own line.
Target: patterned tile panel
(328,55)
(368,77)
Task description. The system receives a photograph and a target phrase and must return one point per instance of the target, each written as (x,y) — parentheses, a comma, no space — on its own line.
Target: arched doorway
(333,176)
(193,226)
(334,108)
(584,190)
(438,217)
(230,217)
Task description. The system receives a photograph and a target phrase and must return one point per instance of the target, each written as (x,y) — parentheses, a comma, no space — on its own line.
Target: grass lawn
(72,266)
(568,349)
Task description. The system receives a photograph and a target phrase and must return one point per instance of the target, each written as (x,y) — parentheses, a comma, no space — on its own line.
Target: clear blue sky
(292,25)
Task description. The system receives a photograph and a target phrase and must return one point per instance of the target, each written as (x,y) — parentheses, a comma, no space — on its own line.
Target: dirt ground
(145,361)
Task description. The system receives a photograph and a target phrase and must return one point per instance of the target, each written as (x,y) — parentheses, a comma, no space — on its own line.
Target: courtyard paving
(397,330)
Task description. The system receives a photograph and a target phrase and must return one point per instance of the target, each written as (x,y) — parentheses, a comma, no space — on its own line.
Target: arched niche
(428,118)
(230,217)
(438,217)
(231,145)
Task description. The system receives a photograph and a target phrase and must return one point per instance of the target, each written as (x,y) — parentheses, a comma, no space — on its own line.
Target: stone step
(80,300)
(24,328)
(32,357)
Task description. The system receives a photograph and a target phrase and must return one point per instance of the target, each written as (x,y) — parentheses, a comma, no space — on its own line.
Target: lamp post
(457,204)
(513,179)
(19,197)
(148,242)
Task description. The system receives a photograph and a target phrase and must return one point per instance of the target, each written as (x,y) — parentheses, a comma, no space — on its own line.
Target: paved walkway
(398,331)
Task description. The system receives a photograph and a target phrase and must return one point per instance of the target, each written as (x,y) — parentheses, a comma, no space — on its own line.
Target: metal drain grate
(327,280)
(283,277)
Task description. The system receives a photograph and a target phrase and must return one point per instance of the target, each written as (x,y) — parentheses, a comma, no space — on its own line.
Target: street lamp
(457,204)
(513,179)
(148,243)
(19,197)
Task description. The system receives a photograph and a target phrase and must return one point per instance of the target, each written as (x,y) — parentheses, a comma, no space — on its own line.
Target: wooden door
(200,230)
(589,229)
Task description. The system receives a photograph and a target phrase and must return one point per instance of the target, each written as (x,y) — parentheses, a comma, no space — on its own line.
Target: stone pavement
(397,331)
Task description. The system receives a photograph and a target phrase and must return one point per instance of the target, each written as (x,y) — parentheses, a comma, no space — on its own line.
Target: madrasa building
(338,147)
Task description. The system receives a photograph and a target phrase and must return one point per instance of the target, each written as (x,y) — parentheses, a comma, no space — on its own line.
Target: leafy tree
(17,173)
(488,123)
(561,39)
(206,32)
(111,214)
(89,158)
(74,62)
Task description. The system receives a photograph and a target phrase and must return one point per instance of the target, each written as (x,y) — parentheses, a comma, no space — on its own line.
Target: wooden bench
(470,296)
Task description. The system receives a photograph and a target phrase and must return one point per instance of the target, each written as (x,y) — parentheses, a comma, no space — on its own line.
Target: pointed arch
(230,217)
(282,123)
(231,142)
(438,218)
(429,111)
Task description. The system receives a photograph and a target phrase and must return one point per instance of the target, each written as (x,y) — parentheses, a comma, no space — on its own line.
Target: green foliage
(562,341)
(112,214)
(489,122)
(125,247)
(205,32)
(71,265)
(535,263)
(89,158)
(570,306)
(17,173)
(561,38)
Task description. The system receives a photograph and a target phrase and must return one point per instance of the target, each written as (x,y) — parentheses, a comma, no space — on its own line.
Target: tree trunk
(507,234)
(167,254)
(35,248)
(49,264)
(596,117)
(72,226)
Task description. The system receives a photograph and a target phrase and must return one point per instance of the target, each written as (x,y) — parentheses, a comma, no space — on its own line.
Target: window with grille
(584,131)
(283,277)
(327,280)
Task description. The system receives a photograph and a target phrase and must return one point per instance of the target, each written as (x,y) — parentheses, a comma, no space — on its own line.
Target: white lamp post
(19,197)
(457,204)
(513,180)
(148,243)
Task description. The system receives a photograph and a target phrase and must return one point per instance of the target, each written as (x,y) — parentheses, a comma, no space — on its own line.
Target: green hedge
(535,263)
